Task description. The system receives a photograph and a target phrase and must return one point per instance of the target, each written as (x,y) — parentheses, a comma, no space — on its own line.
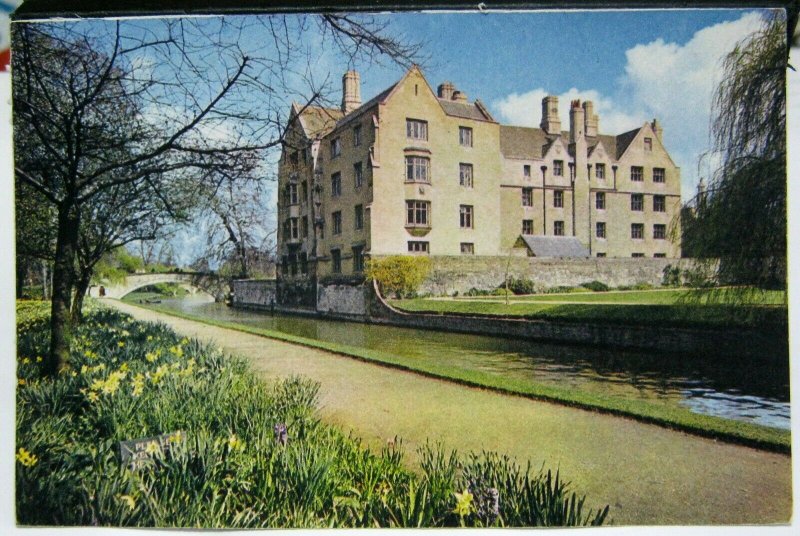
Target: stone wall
(343,299)
(254,293)
(461,273)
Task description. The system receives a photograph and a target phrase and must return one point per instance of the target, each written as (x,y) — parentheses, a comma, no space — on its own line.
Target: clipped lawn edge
(742,433)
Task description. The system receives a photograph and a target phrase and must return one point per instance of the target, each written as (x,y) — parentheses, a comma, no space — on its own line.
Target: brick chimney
(658,129)
(550,122)
(351,91)
(459,96)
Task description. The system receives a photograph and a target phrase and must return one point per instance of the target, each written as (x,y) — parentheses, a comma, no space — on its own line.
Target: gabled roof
(555,246)
(317,121)
(533,143)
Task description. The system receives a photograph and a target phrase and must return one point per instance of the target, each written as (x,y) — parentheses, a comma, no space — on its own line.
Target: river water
(730,387)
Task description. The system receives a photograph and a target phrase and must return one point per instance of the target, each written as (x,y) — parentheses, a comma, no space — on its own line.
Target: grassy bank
(225,465)
(670,416)
(678,308)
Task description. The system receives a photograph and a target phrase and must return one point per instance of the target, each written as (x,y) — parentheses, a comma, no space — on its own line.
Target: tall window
(304,226)
(358,259)
(336,147)
(637,173)
(600,229)
(294,228)
(600,200)
(336,261)
(358,217)
(336,184)
(293,194)
(337,222)
(558,168)
(648,144)
(637,230)
(600,171)
(558,198)
(558,228)
(418,169)
(357,135)
(465,216)
(467,248)
(526,171)
(417,247)
(465,175)
(527,197)
(465,136)
(358,173)
(304,190)
(659,231)
(659,203)
(527,227)
(637,202)
(418,213)
(416,129)
(659,175)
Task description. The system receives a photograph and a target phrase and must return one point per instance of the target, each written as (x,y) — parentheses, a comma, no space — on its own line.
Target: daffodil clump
(224,449)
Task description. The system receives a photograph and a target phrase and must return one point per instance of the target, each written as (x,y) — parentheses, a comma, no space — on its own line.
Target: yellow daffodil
(26,458)
(21,381)
(39,359)
(463,503)
(129,501)
(234,443)
(152,448)
(26,360)
(149,338)
(176,437)
(121,344)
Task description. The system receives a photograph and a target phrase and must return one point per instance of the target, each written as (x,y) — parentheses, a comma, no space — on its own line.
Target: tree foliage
(398,275)
(740,218)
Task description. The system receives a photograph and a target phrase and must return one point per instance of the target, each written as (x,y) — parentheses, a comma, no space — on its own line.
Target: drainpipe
(544,201)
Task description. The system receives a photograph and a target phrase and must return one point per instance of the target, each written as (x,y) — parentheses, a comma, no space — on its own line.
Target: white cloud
(670,81)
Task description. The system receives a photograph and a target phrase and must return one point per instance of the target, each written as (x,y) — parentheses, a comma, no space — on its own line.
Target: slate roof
(555,246)
(465,110)
(532,143)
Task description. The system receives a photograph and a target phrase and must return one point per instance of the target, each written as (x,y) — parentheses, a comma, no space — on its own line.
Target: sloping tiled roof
(522,142)
(366,106)
(530,143)
(555,246)
(463,109)
(318,121)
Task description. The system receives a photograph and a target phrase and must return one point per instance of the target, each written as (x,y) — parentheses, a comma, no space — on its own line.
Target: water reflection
(730,387)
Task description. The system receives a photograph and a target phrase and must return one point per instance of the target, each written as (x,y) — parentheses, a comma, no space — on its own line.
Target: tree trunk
(45,281)
(63,276)
(22,273)
(81,287)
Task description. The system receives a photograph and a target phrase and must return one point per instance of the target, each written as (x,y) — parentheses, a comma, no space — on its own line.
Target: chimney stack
(446,90)
(591,121)
(459,96)
(657,129)
(351,91)
(576,121)
(550,123)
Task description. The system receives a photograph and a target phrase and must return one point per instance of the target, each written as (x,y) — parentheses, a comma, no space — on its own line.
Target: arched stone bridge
(193,281)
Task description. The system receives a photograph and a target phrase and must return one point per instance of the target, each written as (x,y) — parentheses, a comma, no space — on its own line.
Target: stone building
(424,172)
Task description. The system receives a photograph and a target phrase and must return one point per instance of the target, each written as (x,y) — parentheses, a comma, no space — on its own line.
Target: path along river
(649,475)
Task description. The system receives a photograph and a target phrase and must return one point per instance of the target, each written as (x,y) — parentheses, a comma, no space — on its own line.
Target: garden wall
(461,273)
(342,299)
(254,293)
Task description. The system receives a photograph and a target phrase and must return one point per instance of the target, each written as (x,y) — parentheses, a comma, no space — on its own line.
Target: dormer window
(648,144)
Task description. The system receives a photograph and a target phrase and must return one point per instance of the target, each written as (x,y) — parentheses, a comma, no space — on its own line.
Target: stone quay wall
(450,274)
(254,293)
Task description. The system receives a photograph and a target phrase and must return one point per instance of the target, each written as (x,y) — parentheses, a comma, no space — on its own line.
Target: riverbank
(648,474)
(669,415)
(213,446)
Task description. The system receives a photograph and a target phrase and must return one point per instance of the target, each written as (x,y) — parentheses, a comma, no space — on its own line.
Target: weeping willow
(740,219)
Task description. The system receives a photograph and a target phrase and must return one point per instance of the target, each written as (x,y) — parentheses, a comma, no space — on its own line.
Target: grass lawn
(676,308)
(670,416)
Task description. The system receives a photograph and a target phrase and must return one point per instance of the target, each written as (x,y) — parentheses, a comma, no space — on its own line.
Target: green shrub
(642,286)
(671,276)
(595,286)
(522,286)
(398,275)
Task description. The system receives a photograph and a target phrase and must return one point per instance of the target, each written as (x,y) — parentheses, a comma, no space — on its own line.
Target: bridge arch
(208,283)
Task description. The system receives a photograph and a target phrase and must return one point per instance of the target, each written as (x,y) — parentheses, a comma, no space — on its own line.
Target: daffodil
(39,359)
(121,344)
(129,501)
(176,437)
(234,443)
(152,448)
(26,360)
(149,338)
(21,381)
(463,503)
(26,458)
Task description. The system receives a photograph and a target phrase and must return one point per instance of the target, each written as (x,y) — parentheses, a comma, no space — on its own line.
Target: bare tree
(100,105)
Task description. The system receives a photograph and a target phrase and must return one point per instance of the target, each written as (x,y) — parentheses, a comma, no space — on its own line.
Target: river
(731,387)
